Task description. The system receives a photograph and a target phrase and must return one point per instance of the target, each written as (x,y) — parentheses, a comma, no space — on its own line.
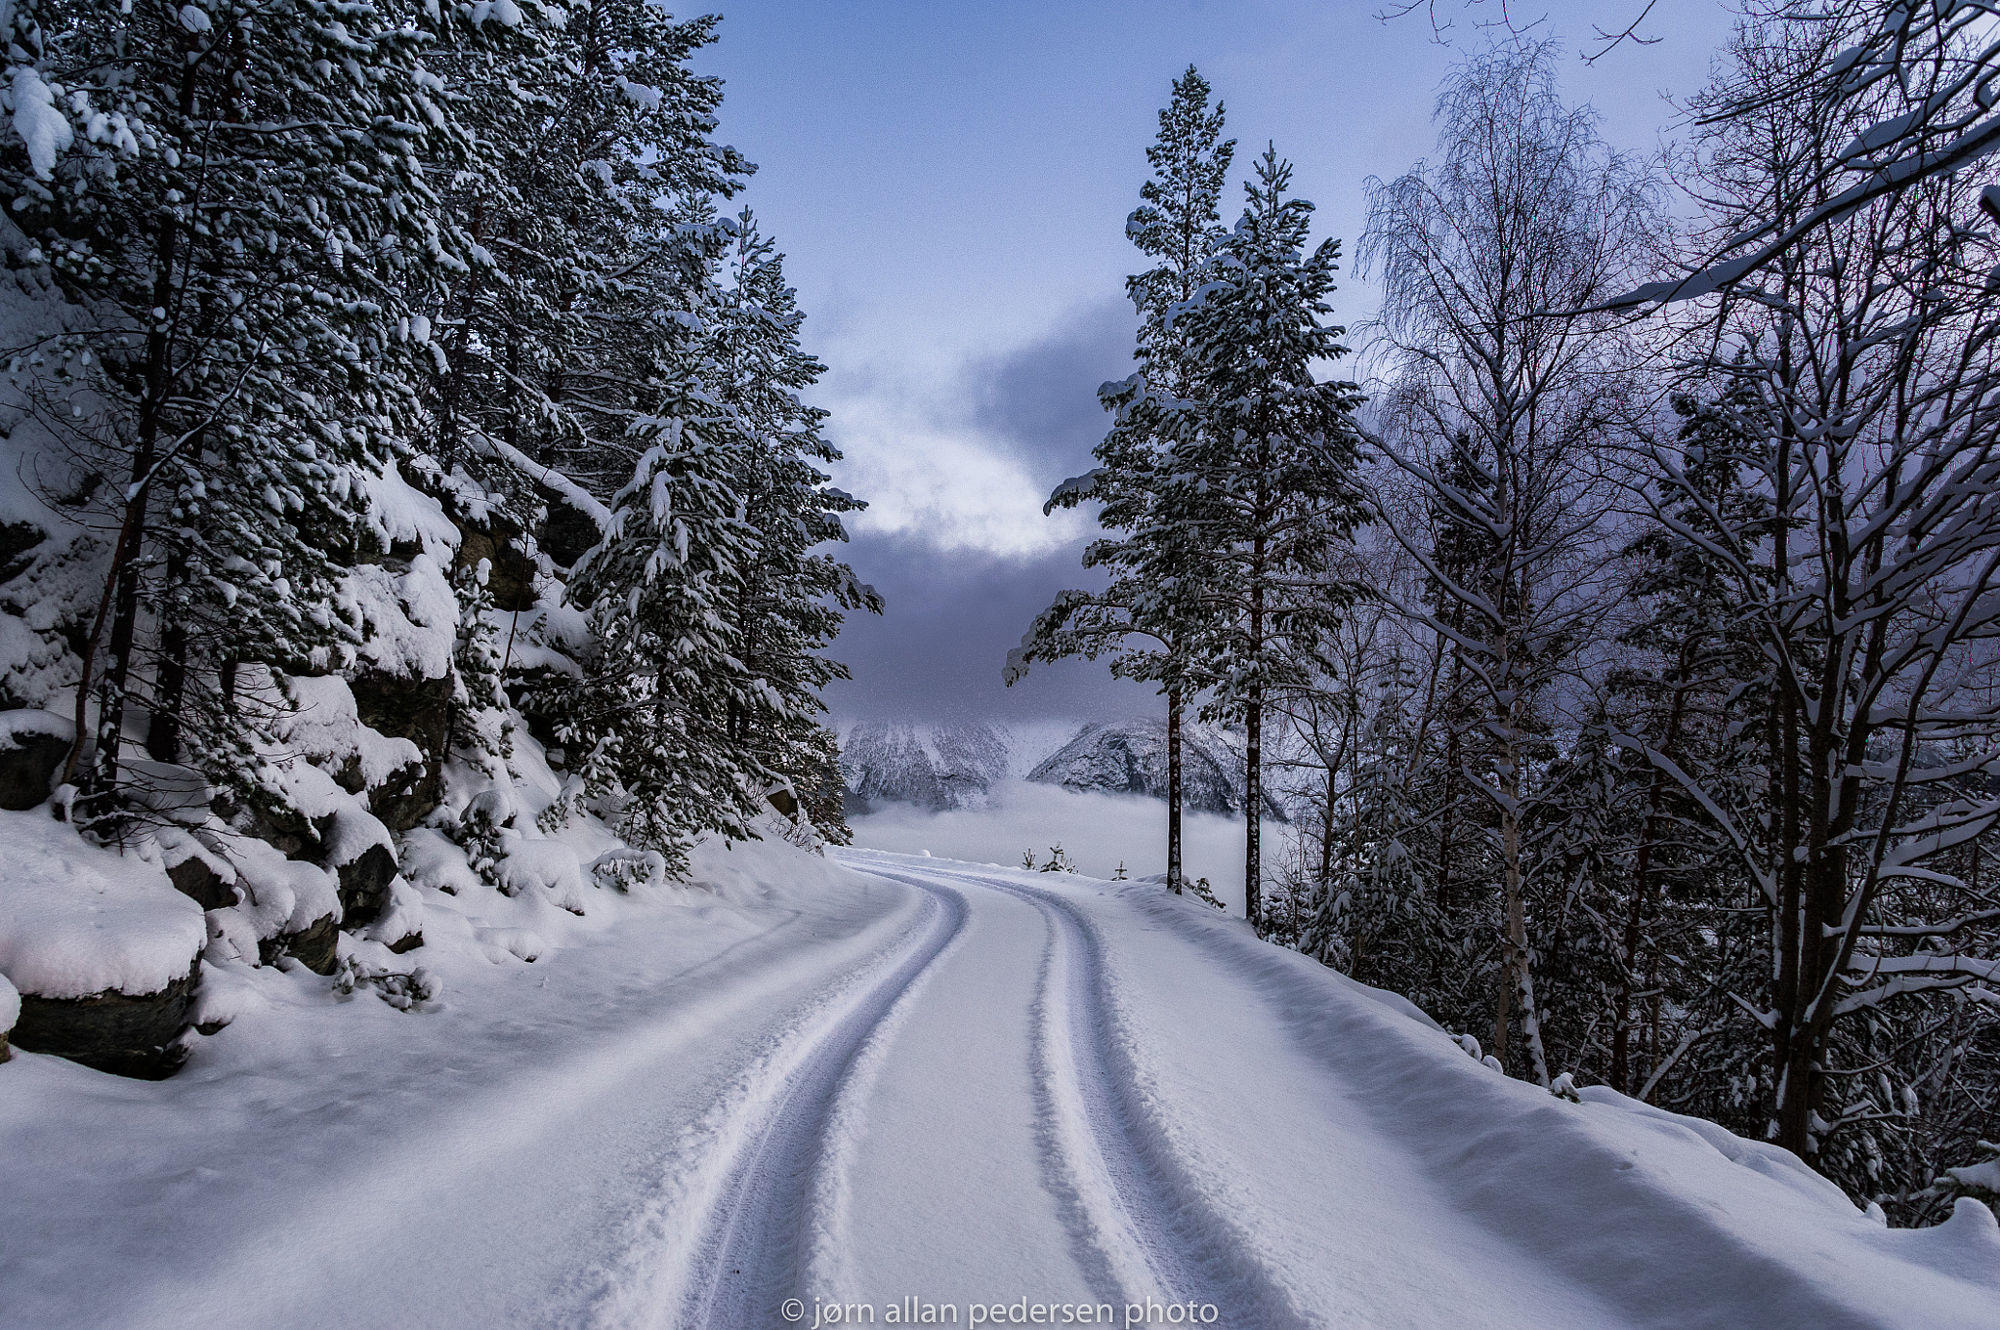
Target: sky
(950,180)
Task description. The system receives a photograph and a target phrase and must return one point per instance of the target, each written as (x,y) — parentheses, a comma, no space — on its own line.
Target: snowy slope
(1130,757)
(935,766)
(919,1078)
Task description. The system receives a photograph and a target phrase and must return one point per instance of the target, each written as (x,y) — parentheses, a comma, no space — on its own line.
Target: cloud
(1041,398)
(937,650)
(955,466)
(963,459)
(944,483)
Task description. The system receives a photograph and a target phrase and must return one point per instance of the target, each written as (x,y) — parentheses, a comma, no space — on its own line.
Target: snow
(10,1005)
(410,617)
(280,895)
(77,920)
(547,866)
(882,1076)
(402,514)
(1100,831)
(323,725)
(44,129)
(24,723)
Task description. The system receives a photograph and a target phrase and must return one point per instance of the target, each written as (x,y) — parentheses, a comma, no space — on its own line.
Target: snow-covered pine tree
(792,595)
(234,190)
(650,722)
(1147,614)
(1260,471)
(584,121)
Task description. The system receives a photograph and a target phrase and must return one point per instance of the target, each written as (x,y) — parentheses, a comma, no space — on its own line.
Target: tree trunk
(163,728)
(1253,794)
(1174,790)
(1253,757)
(1642,893)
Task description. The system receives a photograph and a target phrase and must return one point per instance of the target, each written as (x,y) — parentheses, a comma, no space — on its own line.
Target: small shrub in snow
(403,991)
(1201,891)
(1978,1180)
(623,869)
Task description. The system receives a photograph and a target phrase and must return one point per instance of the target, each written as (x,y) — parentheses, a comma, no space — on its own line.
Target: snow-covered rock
(100,946)
(10,1012)
(933,766)
(1130,757)
(76,919)
(33,744)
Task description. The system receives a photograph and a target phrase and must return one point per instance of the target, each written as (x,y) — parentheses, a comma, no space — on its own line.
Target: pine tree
(792,596)
(651,717)
(1259,475)
(236,190)
(1147,619)
(578,282)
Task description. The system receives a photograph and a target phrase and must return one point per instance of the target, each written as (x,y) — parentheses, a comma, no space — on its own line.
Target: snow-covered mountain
(936,766)
(1130,757)
(947,765)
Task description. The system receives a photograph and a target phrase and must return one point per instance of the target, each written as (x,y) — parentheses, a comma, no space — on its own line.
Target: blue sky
(950,182)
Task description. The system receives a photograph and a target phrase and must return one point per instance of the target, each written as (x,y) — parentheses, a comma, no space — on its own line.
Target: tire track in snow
(1151,1222)
(727,1242)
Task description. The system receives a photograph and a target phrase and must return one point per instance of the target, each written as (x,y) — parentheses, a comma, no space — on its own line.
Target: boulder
(315,946)
(195,878)
(10,1011)
(102,949)
(566,531)
(364,884)
(510,573)
(130,1034)
(17,540)
(33,745)
(415,709)
(405,798)
(277,823)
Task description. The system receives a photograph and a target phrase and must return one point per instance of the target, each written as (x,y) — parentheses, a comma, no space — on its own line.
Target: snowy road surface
(919,1080)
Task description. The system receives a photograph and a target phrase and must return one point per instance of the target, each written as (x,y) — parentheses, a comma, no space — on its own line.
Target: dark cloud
(938,650)
(1041,399)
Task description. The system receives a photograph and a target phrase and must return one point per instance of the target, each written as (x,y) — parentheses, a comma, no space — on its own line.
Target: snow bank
(76,919)
(1673,1220)
(10,1005)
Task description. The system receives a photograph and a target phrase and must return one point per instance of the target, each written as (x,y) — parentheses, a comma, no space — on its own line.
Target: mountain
(1130,757)
(935,766)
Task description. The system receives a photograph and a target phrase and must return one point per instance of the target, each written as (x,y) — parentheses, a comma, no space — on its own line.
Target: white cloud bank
(946,482)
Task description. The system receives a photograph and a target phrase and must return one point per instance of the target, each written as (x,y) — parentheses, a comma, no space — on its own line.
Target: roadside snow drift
(888,1082)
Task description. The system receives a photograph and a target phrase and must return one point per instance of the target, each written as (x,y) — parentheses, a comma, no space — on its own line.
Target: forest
(1617,619)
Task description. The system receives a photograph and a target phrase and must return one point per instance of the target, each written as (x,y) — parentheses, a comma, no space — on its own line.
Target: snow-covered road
(958,1085)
